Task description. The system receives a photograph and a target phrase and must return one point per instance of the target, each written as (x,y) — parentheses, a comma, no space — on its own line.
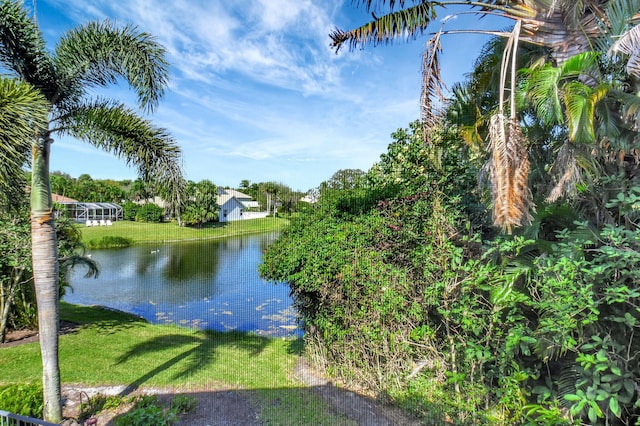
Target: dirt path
(228,407)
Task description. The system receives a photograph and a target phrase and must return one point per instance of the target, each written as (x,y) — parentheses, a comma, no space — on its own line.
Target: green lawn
(141,232)
(116,348)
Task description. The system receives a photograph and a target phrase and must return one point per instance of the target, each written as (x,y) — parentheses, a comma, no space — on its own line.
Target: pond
(211,284)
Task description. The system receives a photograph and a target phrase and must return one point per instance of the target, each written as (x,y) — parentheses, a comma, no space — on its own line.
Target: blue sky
(257,93)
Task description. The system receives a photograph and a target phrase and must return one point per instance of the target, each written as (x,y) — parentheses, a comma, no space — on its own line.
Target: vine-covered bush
(409,295)
(366,276)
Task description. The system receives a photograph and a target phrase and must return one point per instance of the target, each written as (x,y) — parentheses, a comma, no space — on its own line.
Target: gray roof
(224,195)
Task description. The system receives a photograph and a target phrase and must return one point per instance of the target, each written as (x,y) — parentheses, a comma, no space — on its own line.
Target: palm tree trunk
(45,276)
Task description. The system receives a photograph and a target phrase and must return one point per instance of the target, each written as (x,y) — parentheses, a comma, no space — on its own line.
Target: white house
(235,205)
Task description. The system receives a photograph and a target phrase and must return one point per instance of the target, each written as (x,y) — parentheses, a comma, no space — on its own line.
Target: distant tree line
(142,200)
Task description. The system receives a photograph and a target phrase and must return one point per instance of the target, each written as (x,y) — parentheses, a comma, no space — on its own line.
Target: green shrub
(147,411)
(150,213)
(146,416)
(25,400)
(182,404)
(98,403)
(109,241)
(130,210)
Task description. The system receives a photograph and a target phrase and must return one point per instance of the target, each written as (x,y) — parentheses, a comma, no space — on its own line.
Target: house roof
(62,199)
(233,193)
(222,199)
(224,195)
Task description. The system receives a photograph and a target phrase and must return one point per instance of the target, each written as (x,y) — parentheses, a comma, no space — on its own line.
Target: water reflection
(210,284)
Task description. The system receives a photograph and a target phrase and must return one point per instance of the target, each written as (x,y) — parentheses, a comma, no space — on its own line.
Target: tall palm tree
(93,55)
(565,28)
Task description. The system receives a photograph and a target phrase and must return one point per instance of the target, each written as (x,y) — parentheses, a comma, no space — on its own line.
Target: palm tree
(93,55)
(565,28)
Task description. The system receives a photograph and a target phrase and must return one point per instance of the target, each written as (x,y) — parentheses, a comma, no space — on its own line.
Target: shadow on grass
(303,405)
(196,352)
(105,320)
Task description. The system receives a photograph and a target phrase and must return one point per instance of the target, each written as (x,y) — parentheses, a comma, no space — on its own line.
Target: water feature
(212,284)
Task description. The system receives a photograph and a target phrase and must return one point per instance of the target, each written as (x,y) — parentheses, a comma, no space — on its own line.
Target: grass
(115,348)
(142,232)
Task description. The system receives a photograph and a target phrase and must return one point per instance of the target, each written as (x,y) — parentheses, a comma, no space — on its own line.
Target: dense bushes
(411,295)
(130,210)
(150,212)
(24,400)
(17,293)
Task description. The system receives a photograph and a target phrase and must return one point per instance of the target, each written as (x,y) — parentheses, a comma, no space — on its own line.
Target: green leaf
(540,390)
(630,320)
(610,377)
(614,406)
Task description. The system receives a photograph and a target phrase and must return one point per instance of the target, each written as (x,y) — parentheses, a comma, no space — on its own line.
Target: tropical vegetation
(93,55)
(482,271)
(17,296)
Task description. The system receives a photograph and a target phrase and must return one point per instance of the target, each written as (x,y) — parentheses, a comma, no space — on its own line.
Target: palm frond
(375,5)
(580,102)
(610,121)
(574,11)
(631,103)
(117,129)
(404,22)
(498,173)
(509,159)
(432,84)
(22,48)
(544,86)
(99,53)
(629,44)
(23,115)
(617,21)
(566,165)
(509,171)
(580,65)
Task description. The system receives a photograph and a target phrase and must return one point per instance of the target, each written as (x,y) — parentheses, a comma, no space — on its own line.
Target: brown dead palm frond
(498,170)
(509,169)
(629,44)
(432,84)
(521,195)
(566,161)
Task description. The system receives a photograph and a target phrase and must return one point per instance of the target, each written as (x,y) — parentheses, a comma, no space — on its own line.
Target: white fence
(10,419)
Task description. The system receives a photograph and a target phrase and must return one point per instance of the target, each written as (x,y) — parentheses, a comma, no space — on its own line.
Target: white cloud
(255,86)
